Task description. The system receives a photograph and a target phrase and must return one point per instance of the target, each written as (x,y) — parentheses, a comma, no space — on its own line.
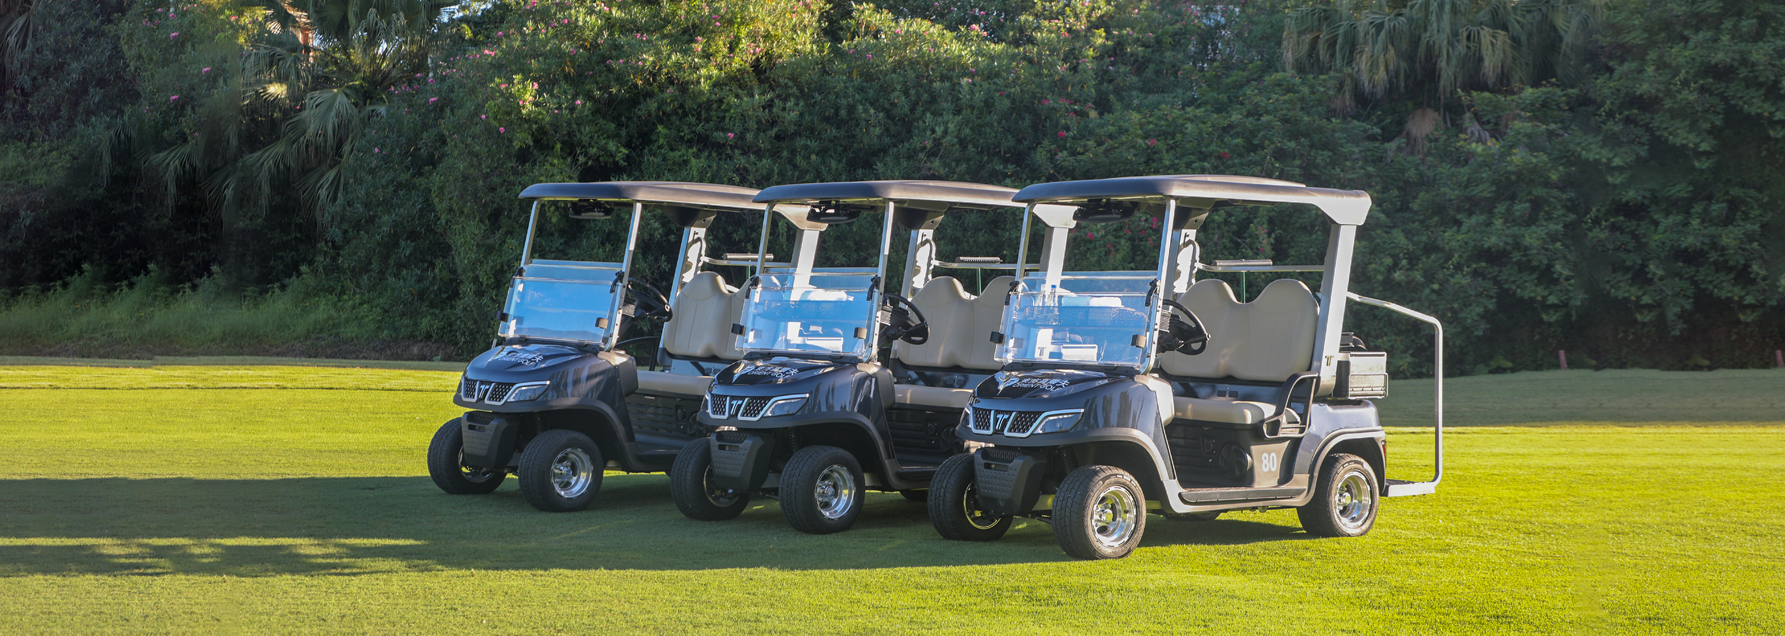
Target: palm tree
(1435,48)
(17,25)
(319,74)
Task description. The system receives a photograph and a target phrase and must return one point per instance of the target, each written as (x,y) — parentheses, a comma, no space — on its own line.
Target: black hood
(1041,383)
(775,371)
(513,361)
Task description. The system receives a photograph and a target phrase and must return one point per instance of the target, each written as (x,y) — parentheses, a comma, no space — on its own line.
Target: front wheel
(954,504)
(1099,513)
(691,485)
(561,471)
(446,464)
(821,490)
(1345,499)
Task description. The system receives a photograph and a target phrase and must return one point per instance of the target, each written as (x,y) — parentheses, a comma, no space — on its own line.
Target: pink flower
(502,130)
(483,116)
(173,99)
(1152,141)
(730,135)
(498,34)
(579,102)
(1224,154)
(206,69)
(1062,133)
(173,35)
(870,56)
(1000,92)
(433,99)
(1044,102)
(377,151)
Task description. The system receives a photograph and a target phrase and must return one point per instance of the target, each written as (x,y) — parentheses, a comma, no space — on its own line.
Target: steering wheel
(1186,337)
(652,299)
(902,328)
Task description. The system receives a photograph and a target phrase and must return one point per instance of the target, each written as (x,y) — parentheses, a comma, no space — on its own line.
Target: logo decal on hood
(522,357)
(1050,384)
(766,369)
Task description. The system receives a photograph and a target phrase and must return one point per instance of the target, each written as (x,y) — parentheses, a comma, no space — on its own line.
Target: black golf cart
(811,416)
(1124,392)
(555,400)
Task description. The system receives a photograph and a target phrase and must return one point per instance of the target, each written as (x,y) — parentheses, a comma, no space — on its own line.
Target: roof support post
(1022,250)
(1183,269)
(527,245)
(1336,283)
(1156,306)
(694,248)
(613,315)
(920,261)
(1053,255)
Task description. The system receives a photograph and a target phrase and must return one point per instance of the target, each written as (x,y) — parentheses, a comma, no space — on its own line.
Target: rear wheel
(561,471)
(1099,513)
(446,464)
(954,505)
(1345,499)
(821,490)
(691,485)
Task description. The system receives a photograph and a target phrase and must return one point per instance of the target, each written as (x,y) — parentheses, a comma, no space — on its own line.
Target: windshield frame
(1035,286)
(770,287)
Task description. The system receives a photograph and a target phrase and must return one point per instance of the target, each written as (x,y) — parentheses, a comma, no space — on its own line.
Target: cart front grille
(988,421)
(478,390)
(723,407)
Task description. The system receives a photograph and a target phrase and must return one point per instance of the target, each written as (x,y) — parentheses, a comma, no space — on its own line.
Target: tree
(1431,49)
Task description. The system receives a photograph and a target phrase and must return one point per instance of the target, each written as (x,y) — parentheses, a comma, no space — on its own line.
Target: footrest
(1219,495)
(1398,488)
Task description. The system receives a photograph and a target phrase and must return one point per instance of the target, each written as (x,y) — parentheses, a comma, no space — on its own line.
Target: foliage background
(1628,216)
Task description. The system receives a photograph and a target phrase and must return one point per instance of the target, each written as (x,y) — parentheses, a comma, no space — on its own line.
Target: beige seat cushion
(1227,411)
(930,396)
(961,325)
(1268,339)
(674,384)
(701,319)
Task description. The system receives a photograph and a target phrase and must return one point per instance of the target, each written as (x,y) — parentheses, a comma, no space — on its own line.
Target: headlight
(526,392)
(784,405)
(1058,421)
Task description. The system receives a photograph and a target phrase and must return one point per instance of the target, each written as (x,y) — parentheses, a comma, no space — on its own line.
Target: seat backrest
(701,318)
(961,326)
(988,316)
(1267,340)
(946,306)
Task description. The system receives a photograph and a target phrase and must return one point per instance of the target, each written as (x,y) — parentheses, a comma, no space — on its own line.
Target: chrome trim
(765,407)
(1039,419)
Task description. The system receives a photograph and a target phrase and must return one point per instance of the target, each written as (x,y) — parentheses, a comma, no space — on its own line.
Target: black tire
(918,496)
(1346,499)
(561,471)
(1197,517)
(954,507)
(690,485)
(821,490)
(1100,512)
(446,464)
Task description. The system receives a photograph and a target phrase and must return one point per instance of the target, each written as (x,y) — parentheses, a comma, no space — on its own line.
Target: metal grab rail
(1403,489)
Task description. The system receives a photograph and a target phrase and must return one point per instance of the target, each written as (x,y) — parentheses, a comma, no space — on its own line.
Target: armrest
(1286,422)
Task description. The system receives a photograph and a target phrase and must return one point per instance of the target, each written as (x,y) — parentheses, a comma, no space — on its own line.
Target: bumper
(740,460)
(1008,480)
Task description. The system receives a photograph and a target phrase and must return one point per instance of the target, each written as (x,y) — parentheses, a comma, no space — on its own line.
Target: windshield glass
(820,312)
(1091,318)
(561,300)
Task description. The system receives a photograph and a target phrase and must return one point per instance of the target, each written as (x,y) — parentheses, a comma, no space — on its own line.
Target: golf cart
(556,401)
(1128,392)
(811,416)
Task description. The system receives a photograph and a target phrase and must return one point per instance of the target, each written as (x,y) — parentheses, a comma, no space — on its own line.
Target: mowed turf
(272,499)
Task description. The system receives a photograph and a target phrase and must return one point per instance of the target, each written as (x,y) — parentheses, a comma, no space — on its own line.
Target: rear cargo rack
(1396,487)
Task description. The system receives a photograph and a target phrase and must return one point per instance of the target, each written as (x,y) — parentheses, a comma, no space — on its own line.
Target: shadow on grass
(348,526)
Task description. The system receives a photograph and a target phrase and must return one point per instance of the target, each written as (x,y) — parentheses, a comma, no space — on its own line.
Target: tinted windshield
(820,312)
(1091,318)
(561,301)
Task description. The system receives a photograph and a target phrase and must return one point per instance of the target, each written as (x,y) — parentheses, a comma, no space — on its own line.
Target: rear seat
(1266,340)
(700,328)
(961,327)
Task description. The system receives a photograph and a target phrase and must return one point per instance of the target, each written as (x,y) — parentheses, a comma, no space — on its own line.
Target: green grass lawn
(254,499)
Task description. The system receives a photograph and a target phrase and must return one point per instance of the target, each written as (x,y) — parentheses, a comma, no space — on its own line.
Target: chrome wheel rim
(572,472)
(1113,517)
(977,518)
(1354,499)
(471,473)
(835,492)
(715,495)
